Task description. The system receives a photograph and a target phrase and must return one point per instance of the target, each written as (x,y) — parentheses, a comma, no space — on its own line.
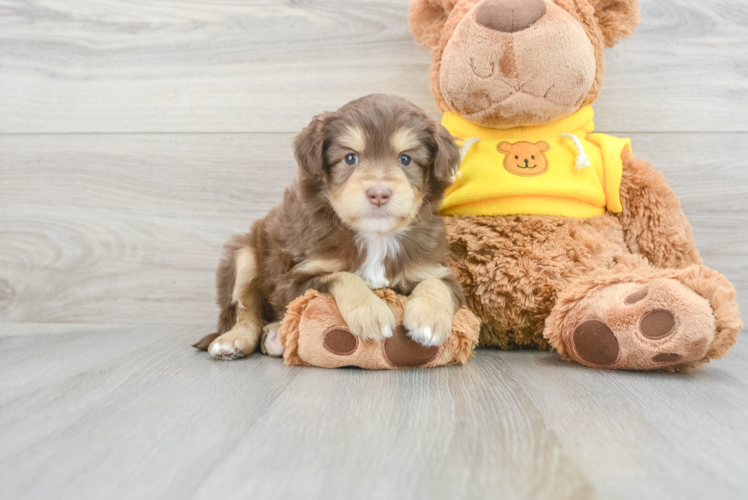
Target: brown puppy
(362,214)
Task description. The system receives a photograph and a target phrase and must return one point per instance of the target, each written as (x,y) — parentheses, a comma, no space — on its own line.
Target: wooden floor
(135,137)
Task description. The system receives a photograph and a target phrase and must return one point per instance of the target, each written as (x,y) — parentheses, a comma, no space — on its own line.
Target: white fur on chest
(377,247)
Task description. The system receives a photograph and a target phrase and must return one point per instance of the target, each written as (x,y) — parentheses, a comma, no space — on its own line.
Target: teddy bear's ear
(504,147)
(427,18)
(617,19)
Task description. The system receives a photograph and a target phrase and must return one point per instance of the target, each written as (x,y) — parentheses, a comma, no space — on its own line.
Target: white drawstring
(464,151)
(582,159)
(467,145)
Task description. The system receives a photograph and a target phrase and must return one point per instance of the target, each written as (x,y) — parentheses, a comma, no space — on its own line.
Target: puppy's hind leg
(243,307)
(271,344)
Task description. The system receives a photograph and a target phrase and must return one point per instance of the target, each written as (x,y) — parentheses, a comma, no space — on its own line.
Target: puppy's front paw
(271,344)
(233,344)
(428,323)
(370,318)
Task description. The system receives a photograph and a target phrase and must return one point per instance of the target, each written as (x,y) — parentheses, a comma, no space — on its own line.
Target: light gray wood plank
(457,433)
(645,435)
(129,228)
(138,223)
(192,66)
(64,351)
(260,66)
(682,70)
(145,424)
(164,421)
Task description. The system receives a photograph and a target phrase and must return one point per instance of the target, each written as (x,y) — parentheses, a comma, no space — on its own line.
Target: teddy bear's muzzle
(512,63)
(509,16)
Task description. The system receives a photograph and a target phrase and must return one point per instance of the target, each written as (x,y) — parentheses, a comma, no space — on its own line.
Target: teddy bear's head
(507,63)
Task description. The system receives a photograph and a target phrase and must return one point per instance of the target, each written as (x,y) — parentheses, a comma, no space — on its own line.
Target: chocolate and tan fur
(362,214)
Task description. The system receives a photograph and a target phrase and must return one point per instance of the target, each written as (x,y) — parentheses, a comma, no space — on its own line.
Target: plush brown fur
(346,228)
(556,282)
(652,220)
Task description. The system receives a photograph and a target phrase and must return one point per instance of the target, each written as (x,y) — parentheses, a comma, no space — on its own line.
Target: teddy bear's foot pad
(403,352)
(630,326)
(400,351)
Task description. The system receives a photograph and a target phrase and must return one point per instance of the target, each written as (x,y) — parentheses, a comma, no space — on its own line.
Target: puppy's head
(377,160)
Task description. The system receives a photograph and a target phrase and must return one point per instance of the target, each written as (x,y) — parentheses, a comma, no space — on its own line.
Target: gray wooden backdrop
(136,136)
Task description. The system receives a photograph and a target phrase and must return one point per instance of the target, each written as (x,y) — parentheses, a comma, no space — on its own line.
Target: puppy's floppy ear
(309,146)
(617,19)
(447,156)
(426,19)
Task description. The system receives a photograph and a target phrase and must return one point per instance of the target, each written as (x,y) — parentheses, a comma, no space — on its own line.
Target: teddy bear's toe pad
(596,343)
(340,342)
(625,325)
(666,357)
(657,324)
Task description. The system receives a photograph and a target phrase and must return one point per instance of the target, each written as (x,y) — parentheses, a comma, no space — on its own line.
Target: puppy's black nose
(379,195)
(509,16)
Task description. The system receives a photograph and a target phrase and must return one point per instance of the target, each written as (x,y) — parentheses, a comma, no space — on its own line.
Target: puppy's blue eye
(351,159)
(405,159)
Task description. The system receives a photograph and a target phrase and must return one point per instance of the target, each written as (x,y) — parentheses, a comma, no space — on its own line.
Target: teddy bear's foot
(661,324)
(641,324)
(314,333)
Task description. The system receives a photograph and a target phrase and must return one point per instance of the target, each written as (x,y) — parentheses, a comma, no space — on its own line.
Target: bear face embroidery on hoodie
(525,158)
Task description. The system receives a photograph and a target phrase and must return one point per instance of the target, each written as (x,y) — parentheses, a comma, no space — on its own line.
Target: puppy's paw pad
(271,344)
(424,336)
(371,320)
(426,324)
(386,332)
(226,350)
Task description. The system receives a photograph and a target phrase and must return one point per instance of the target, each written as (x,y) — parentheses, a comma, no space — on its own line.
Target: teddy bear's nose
(509,16)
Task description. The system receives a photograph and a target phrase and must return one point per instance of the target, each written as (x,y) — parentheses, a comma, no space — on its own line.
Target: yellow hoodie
(559,168)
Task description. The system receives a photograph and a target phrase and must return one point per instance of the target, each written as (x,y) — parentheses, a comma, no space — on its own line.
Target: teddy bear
(560,236)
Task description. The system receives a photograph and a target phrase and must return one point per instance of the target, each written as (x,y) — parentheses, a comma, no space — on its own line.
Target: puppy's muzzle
(379,196)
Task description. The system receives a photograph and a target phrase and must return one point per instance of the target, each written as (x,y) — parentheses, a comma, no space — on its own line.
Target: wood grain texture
(267,66)
(161,420)
(129,228)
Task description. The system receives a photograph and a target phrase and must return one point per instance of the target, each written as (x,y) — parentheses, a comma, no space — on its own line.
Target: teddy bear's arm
(653,221)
